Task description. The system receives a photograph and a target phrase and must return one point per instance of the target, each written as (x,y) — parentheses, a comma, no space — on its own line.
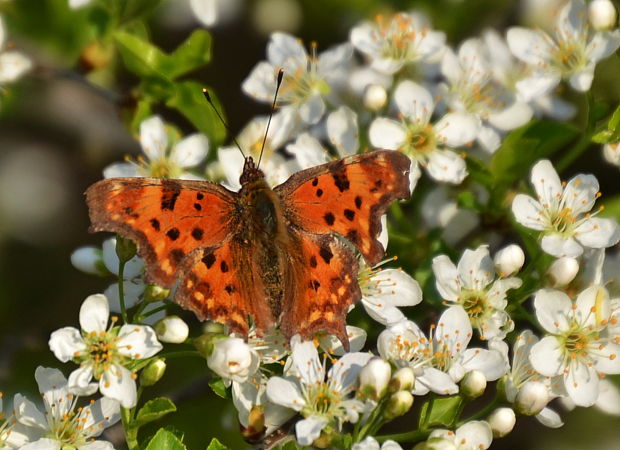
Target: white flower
(570,55)
(471,90)
(342,132)
(330,344)
(473,286)
(253,393)
(370,443)
(162,162)
(440,210)
(425,143)
(212,13)
(611,153)
(308,79)
(103,352)
(561,213)
(13,64)
(233,360)
(384,291)
(508,71)
(319,400)
(62,425)
(14,434)
(374,378)
(579,345)
(562,271)
(405,39)
(276,168)
(441,361)
(474,435)
(521,373)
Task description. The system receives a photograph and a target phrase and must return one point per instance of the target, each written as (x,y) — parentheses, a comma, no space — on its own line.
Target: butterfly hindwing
(220,283)
(167,219)
(325,286)
(348,196)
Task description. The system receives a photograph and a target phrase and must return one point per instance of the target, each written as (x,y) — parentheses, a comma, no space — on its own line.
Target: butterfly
(283,256)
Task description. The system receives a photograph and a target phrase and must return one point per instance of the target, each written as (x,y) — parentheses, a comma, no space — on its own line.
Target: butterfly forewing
(168,219)
(348,197)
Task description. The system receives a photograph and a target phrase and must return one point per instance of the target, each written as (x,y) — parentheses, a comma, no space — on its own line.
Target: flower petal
(598,233)
(446,166)
(446,278)
(94,313)
(549,418)
(547,357)
(475,434)
(457,129)
(414,102)
(386,133)
(559,246)
(546,182)
(343,131)
(490,362)
(309,429)
(117,383)
(552,310)
(343,373)
(581,383)
(191,151)
(79,381)
(285,392)
(476,269)
(307,364)
(137,341)
(27,413)
(153,138)
(66,343)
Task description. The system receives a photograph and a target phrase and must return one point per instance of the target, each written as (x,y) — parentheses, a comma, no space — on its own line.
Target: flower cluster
(454,320)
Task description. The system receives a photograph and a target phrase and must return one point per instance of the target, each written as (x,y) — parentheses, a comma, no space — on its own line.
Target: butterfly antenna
(205,92)
(273,107)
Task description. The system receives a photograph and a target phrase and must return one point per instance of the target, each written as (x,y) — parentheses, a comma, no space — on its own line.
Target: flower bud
(398,404)
(402,380)
(256,424)
(153,372)
(125,248)
(602,14)
(611,153)
(233,359)
(473,384)
(374,378)
(89,260)
(562,271)
(509,260)
(502,421)
(375,97)
(532,398)
(206,343)
(154,293)
(172,329)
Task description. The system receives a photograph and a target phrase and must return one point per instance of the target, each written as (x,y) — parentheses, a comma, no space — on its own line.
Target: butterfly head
(251,172)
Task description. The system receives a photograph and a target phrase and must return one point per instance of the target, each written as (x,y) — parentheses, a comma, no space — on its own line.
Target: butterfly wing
(323,285)
(348,197)
(221,283)
(168,219)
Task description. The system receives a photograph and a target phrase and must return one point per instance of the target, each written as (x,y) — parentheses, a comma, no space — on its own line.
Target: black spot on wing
(349,214)
(313,262)
(197,233)
(341,180)
(326,254)
(173,234)
(208,260)
(155,224)
(197,206)
(358,202)
(224,267)
(329,218)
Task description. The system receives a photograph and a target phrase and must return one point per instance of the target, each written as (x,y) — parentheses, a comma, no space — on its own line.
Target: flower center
(66,428)
(398,38)
(302,83)
(323,400)
(569,57)
(576,341)
(162,168)
(420,141)
(102,351)
(474,303)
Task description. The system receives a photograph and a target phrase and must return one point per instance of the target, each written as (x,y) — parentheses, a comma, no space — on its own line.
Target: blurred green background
(57,133)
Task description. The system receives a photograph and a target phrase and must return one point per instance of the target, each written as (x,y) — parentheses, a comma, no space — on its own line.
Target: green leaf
(141,57)
(153,410)
(194,52)
(216,445)
(443,411)
(524,146)
(612,207)
(217,385)
(609,132)
(189,100)
(165,440)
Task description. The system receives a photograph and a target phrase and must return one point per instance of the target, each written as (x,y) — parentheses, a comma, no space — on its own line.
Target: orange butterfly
(276,256)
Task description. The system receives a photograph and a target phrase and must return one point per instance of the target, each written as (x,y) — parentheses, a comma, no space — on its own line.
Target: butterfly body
(260,256)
